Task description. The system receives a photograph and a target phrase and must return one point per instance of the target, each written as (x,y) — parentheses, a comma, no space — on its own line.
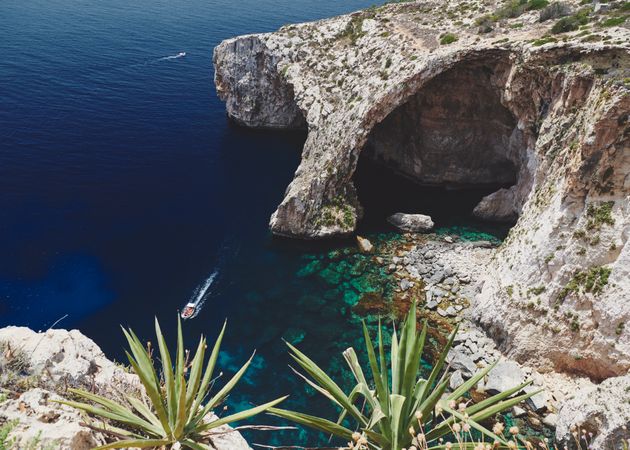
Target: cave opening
(448,146)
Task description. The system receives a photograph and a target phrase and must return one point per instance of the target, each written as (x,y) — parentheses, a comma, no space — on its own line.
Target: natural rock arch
(455,132)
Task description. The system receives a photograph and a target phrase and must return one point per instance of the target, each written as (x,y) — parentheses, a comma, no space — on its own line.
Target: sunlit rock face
(546,120)
(261,98)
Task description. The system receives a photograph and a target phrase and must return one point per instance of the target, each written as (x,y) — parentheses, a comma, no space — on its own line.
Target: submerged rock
(411,222)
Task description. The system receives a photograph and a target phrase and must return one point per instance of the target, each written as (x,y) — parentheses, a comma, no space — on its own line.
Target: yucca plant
(177,413)
(397,407)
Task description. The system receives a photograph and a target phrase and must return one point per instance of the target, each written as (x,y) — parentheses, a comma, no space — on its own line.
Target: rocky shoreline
(512,97)
(532,96)
(451,274)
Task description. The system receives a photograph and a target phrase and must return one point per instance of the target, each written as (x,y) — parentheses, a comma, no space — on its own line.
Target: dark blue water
(123,187)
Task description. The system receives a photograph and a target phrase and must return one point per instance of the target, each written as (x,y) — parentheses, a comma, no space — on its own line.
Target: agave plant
(178,409)
(397,407)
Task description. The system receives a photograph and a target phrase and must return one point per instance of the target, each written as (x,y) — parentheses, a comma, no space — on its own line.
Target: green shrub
(396,407)
(599,215)
(536,4)
(613,21)
(544,40)
(5,430)
(571,23)
(592,281)
(447,38)
(177,413)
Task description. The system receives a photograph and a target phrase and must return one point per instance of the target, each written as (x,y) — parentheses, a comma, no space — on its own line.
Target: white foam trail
(199,294)
(179,55)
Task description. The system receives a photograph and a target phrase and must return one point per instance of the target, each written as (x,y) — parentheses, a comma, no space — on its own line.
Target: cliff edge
(36,369)
(530,94)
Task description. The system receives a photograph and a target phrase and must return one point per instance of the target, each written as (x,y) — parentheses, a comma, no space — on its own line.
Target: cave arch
(453,133)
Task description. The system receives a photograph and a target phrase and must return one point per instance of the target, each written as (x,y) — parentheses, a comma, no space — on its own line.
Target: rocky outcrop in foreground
(470,93)
(451,273)
(37,368)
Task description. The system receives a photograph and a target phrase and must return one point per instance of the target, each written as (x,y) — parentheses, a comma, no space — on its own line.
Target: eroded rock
(52,362)
(552,124)
(603,410)
(415,223)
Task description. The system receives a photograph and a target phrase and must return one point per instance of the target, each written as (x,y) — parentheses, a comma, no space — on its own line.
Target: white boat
(188,311)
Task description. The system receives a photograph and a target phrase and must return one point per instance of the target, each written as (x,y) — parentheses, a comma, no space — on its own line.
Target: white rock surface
(411,222)
(600,409)
(40,420)
(58,359)
(67,357)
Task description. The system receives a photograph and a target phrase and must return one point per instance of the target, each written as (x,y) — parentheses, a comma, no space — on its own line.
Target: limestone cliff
(462,93)
(36,369)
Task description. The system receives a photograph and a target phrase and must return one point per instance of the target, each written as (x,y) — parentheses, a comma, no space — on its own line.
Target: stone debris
(405,284)
(517,411)
(506,375)
(456,380)
(602,408)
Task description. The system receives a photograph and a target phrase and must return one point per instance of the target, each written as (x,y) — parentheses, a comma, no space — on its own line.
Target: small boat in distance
(180,54)
(188,311)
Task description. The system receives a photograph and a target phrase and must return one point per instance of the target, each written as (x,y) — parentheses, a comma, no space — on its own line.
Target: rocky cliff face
(38,368)
(505,103)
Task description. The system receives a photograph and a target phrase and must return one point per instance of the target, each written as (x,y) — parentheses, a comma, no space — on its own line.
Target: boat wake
(200,294)
(179,55)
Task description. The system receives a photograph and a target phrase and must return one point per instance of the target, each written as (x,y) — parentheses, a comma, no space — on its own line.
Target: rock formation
(41,366)
(411,222)
(602,410)
(460,94)
(512,106)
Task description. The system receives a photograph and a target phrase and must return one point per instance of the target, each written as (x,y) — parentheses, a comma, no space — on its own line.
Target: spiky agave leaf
(176,412)
(397,395)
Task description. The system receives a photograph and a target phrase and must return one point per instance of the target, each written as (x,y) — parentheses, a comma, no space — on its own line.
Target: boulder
(460,361)
(365,246)
(550,420)
(499,206)
(505,375)
(537,402)
(411,222)
(456,380)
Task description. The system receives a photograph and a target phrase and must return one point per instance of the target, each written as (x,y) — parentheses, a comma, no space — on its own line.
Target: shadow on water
(382,192)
